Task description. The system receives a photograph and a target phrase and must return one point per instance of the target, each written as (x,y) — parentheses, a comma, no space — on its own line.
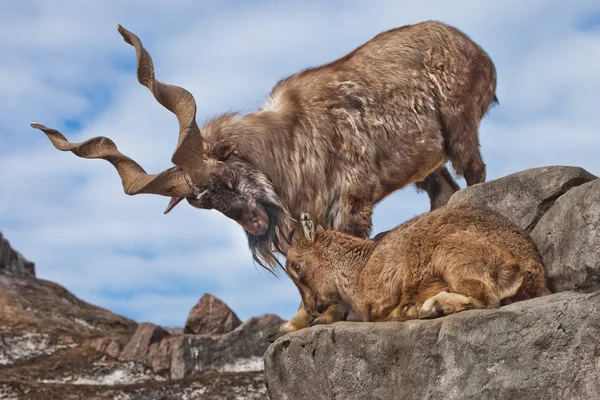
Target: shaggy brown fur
(452,259)
(335,140)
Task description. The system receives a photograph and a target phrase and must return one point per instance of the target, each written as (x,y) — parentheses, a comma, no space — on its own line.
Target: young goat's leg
(466,294)
(301,319)
(335,313)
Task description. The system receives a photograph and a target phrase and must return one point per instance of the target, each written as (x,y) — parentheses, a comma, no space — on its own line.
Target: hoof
(431,309)
(322,320)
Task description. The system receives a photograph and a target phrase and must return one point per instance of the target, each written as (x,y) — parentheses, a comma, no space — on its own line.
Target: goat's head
(310,265)
(204,181)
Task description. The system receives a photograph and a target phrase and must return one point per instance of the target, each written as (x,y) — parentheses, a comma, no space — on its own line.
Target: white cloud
(66,62)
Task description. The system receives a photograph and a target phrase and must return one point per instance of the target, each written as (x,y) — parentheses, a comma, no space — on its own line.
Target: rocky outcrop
(525,196)
(568,238)
(187,355)
(145,335)
(12,263)
(43,307)
(211,316)
(54,345)
(544,348)
(239,350)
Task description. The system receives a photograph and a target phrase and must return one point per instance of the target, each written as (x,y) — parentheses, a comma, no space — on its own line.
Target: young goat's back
(464,249)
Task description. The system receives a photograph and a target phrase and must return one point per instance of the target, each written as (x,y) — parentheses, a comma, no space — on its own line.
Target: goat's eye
(296,267)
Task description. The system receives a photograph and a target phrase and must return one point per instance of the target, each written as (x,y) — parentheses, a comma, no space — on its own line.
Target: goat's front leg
(404,312)
(335,313)
(301,319)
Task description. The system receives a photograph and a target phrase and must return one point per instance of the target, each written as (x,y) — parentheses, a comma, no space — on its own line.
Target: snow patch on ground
(85,323)
(29,345)
(122,374)
(245,365)
(193,393)
(7,393)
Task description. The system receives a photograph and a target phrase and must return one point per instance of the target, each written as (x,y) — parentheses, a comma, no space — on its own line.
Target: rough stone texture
(188,355)
(54,345)
(545,348)
(145,335)
(43,307)
(12,263)
(211,316)
(524,196)
(106,345)
(568,238)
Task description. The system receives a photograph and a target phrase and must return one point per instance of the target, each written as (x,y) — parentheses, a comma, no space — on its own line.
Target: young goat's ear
(308,229)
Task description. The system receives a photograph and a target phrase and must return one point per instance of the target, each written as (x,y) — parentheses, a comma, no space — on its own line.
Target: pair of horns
(190,171)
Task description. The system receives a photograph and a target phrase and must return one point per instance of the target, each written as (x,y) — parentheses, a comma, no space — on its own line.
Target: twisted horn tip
(37,125)
(174,201)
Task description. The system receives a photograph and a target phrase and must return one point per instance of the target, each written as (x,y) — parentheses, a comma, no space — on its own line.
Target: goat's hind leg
(468,294)
(440,186)
(461,135)
(445,303)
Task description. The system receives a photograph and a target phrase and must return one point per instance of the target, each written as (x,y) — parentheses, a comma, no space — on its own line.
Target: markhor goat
(451,259)
(333,140)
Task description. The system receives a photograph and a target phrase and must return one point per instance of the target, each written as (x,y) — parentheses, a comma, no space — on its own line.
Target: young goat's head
(310,264)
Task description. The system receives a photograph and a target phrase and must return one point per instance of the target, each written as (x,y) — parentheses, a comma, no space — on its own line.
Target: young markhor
(455,258)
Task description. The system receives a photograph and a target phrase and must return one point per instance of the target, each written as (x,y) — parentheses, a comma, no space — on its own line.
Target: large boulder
(568,239)
(544,348)
(211,316)
(145,335)
(12,263)
(524,196)
(242,349)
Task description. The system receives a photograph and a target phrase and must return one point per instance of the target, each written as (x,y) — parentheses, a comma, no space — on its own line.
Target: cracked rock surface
(544,348)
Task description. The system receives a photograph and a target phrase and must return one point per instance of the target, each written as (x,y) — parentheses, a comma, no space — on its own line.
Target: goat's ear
(308,229)
(224,149)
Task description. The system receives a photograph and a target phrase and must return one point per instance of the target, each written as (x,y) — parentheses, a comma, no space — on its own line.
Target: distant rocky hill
(53,345)
(544,348)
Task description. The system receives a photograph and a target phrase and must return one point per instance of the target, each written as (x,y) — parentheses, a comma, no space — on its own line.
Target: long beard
(265,248)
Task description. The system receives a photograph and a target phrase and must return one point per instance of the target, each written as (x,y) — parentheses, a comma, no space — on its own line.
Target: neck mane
(265,141)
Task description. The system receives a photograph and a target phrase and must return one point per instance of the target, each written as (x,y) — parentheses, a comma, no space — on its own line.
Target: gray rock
(12,263)
(107,345)
(138,347)
(211,316)
(545,348)
(189,355)
(568,239)
(524,196)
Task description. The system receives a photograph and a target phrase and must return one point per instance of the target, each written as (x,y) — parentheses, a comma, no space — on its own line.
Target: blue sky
(63,64)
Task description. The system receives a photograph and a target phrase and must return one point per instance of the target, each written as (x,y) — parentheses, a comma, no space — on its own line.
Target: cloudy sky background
(63,64)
